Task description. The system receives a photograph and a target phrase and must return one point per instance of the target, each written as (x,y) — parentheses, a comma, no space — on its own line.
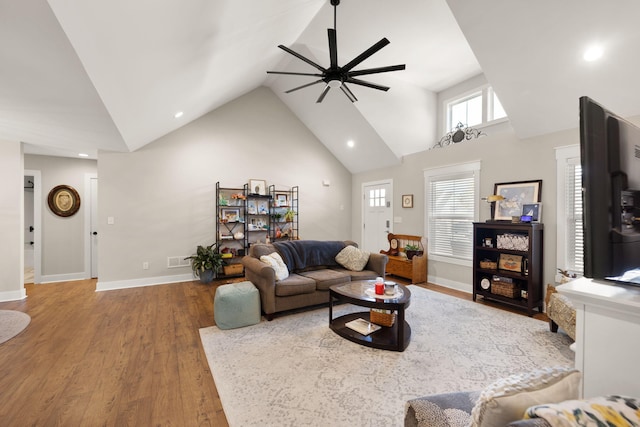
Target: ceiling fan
(336,76)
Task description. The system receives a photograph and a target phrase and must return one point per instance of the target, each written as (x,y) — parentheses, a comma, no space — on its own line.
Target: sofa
(311,268)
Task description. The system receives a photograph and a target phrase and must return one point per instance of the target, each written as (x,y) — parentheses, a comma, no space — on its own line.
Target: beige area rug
(295,371)
(12,323)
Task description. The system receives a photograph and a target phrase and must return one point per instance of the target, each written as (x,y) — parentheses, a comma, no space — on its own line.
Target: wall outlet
(145,265)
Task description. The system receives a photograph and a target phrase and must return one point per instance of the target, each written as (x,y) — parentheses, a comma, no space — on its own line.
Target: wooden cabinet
(414,269)
(507,263)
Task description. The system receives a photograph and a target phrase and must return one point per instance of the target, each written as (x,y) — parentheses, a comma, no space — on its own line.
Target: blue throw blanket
(302,254)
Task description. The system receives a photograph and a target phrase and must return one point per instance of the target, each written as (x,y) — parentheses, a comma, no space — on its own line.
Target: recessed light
(178,114)
(593,53)
(83,155)
(350,143)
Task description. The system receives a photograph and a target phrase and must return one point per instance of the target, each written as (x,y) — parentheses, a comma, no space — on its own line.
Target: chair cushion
(326,278)
(295,285)
(352,258)
(506,399)
(442,410)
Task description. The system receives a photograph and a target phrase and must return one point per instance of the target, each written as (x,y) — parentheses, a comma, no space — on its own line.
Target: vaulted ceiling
(81,76)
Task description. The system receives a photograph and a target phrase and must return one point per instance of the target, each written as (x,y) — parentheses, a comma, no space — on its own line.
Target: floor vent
(177,261)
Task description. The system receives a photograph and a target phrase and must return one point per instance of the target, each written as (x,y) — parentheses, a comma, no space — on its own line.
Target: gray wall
(162,197)
(63,238)
(11,221)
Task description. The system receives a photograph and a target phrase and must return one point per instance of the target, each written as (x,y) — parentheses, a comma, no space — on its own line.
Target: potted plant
(412,250)
(289,215)
(206,262)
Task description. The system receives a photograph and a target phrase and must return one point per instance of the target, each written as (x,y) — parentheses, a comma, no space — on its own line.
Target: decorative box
(488,264)
(515,242)
(232,269)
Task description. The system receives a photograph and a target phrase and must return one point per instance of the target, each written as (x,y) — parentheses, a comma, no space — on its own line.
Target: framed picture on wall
(534,210)
(64,200)
(516,194)
(407,201)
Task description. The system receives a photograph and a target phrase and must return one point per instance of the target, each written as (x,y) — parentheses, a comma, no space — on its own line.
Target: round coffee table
(360,293)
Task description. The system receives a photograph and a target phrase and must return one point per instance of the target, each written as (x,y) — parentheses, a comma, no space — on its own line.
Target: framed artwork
(534,210)
(64,200)
(407,200)
(516,194)
(510,263)
(282,199)
(230,214)
(258,186)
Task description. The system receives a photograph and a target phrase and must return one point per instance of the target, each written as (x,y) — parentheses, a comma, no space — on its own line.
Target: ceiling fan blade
(333,48)
(294,74)
(367,84)
(377,70)
(303,86)
(297,55)
(348,92)
(367,53)
(323,94)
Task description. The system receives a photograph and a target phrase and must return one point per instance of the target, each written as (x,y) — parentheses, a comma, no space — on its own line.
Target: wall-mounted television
(610,159)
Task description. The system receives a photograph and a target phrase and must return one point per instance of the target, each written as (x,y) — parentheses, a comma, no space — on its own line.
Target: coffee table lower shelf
(386,338)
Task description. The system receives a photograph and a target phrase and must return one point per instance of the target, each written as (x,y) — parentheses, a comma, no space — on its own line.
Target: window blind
(574,218)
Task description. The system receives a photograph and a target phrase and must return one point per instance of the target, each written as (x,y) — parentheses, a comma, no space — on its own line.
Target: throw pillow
(274,260)
(507,399)
(602,411)
(352,258)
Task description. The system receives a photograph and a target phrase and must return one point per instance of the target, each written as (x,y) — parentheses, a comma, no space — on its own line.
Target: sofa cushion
(326,278)
(352,258)
(275,261)
(295,285)
(506,399)
(261,249)
(358,275)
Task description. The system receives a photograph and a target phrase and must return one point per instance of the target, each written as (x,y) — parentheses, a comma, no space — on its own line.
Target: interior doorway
(32,212)
(91,225)
(377,215)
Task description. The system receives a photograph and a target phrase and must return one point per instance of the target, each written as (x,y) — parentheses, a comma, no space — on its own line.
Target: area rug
(295,371)
(12,323)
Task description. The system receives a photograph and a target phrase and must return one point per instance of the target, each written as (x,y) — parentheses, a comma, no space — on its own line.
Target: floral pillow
(601,411)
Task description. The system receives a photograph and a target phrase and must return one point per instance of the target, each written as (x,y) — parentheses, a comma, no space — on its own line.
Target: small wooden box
(233,269)
(489,265)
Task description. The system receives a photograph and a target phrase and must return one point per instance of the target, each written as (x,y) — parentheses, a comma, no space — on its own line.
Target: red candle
(379,288)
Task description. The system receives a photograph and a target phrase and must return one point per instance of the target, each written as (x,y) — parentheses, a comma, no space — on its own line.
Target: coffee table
(395,337)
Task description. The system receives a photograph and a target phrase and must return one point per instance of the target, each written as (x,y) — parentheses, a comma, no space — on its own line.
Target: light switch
(397,219)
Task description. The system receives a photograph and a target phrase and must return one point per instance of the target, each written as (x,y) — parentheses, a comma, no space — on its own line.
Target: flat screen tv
(610,158)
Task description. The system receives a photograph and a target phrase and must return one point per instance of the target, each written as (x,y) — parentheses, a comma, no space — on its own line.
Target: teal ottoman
(236,305)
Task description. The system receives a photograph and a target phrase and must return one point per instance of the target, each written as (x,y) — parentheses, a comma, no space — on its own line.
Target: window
(452,207)
(570,238)
(377,197)
(478,107)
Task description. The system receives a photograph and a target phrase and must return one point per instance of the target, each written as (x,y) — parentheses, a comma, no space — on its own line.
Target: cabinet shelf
(526,287)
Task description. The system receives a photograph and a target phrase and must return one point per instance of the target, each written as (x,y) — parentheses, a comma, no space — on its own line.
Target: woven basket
(382,317)
(489,265)
(233,269)
(505,289)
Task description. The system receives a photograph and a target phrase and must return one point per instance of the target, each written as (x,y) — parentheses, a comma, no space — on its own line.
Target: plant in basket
(412,250)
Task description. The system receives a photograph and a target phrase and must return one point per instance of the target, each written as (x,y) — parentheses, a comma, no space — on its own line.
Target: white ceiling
(81,76)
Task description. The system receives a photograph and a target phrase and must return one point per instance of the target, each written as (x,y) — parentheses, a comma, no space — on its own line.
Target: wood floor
(118,358)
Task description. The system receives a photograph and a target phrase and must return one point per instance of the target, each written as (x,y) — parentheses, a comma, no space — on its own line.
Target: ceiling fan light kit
(336,76)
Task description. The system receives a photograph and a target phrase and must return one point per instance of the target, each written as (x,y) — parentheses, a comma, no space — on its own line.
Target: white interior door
(377,215)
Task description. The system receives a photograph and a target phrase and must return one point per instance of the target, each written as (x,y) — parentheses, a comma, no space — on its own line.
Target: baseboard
(13,295)
(458,286)
(53,278)
(145,281)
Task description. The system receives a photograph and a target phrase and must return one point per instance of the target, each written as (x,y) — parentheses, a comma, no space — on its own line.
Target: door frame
(37,224)
(388,181)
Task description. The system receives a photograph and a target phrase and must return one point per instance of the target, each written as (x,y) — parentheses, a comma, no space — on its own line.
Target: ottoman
(236,305)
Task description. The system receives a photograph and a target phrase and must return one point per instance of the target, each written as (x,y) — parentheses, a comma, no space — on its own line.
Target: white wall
(11,221)
(161,197)
(63,238)
(504,158)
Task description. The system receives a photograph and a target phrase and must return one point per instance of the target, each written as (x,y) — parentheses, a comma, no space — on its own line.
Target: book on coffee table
(362,327)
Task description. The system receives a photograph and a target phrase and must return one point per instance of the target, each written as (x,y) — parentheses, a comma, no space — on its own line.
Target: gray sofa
(312,270)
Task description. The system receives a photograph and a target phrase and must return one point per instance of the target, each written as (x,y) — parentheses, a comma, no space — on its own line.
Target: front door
(377,216)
